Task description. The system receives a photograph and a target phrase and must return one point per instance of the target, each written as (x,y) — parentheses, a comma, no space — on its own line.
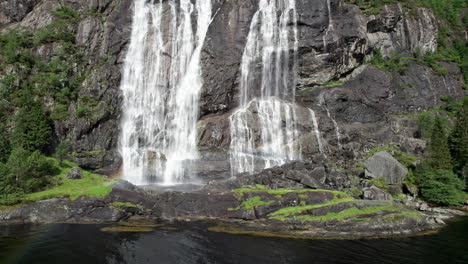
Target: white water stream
(264,126)
(161,87)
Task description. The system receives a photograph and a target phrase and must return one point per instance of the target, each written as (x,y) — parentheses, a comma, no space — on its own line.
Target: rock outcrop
(384,166)
(374,193)
(255,208)
(74,174)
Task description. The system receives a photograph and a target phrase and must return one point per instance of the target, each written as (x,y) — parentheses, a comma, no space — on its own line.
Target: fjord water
(161,86)
(63,243)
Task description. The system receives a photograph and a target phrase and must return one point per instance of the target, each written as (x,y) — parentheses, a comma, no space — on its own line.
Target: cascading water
(330,25)
(161,87)
(337,128)
(264,125)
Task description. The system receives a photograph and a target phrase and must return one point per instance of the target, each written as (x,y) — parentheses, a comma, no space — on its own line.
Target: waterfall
(316,130)
(263,128)
(330,26)
(161,86)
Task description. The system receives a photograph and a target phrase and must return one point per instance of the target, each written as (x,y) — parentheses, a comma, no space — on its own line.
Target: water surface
(87,244)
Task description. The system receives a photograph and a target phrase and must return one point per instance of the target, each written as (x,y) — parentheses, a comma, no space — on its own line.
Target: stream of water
(161,87)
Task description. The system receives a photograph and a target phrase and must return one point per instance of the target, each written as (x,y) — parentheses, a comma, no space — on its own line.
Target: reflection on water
(64,243)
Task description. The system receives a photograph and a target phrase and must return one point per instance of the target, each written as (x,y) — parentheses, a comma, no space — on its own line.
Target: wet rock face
(14,11)
(374,193)
(384,166)
(334,42)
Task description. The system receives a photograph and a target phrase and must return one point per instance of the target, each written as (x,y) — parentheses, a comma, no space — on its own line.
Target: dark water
(76,244)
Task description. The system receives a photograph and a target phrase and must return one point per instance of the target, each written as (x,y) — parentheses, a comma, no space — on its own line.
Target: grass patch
(91,185)
(294,210)
(280,192)
(255,201)
(348,213)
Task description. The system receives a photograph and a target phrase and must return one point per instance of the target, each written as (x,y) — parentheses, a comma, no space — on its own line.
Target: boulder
(374,193)
(411,189)
(123,185)
(383,166)
(75,174)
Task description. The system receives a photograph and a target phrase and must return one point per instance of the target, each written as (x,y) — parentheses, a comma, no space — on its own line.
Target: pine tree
(32,127)
(438,146)
(458,141)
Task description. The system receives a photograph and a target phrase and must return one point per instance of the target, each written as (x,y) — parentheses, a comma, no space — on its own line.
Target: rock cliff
(335,42)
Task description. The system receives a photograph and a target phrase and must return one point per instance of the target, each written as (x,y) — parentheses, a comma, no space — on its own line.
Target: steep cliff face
(102,33)
(335,41)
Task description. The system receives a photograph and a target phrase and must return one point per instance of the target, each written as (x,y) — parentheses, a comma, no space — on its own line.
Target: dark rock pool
(91,243)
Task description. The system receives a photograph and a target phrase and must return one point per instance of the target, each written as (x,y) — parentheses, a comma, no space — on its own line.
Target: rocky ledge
(277,205)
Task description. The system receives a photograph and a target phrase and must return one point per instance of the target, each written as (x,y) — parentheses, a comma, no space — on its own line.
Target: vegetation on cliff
(28,84)
(442,177)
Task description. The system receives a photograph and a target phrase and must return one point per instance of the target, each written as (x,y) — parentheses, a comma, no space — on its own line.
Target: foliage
(458,140)
(438,147)
(66,13)
(441,186)
(394,63)
(379,183)
(32,127)
(62,151)
(24,172)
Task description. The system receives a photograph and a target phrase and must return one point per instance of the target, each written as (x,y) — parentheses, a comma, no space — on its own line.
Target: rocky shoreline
(302,213)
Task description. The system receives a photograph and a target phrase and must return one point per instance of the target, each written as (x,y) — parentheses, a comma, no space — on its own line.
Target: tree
(32,127)
(441,187)
(61,152)
(458,141)
(4,140)
(438,147)
(27,170)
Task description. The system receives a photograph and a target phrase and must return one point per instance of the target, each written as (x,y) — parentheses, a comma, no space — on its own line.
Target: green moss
(249,189)
(294,210)
(379,183)
(333,84)
(126,204)
(348,213)
(413,214)
(354,191)
(253,202)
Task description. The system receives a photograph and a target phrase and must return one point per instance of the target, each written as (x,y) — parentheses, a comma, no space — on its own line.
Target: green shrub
(62,151)
(32,127)
(441,187)
(27,170)
(458,140)
(66,13)
(83,111)
(379,183)
(438,147)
